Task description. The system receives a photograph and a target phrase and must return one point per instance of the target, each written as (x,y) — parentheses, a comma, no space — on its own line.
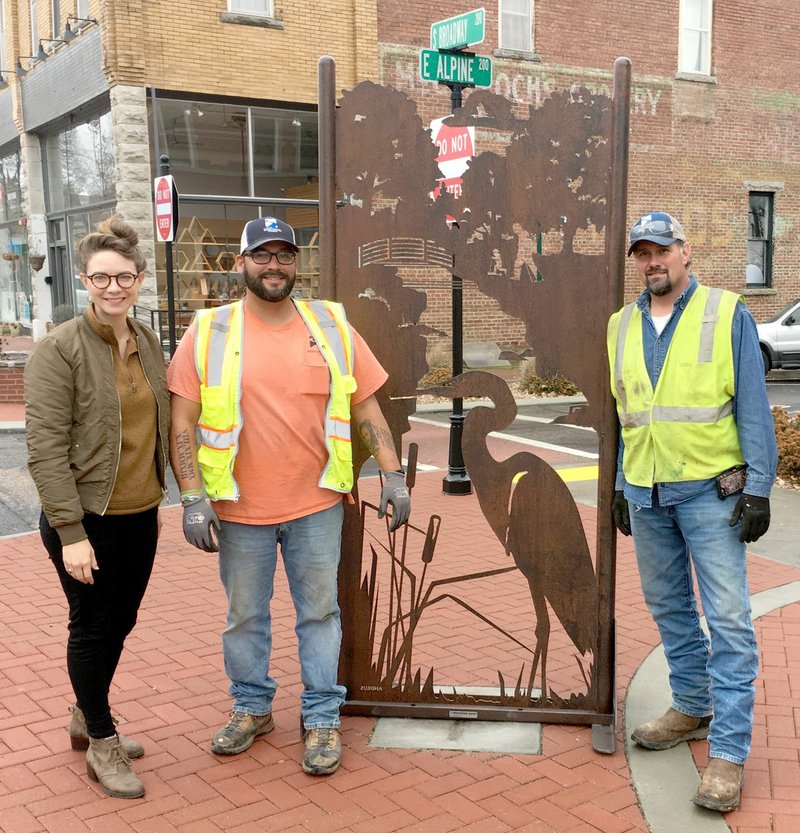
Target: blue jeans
(669,540)
(247,559)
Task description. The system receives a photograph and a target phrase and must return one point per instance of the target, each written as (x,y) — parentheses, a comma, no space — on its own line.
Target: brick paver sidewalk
(171,692)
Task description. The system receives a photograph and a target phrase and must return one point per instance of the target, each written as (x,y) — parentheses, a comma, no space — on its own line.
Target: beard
(265,292)
(659,283)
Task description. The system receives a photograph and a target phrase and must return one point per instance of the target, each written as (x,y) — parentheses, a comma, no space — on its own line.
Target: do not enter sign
(166,201)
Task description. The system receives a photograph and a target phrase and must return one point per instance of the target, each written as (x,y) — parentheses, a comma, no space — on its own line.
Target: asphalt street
(19,505)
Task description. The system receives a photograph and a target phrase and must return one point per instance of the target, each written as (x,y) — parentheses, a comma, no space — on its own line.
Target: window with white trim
(694,47)
(82,9)
(55,11)
(261,7)
(516,25)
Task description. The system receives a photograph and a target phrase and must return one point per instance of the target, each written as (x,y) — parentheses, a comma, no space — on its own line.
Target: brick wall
(11,387)
(195,45)
(697,148)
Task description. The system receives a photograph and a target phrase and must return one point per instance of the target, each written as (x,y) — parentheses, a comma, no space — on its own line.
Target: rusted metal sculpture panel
(528,232)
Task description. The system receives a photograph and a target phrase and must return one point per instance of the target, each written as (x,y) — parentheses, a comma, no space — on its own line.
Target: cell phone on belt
(731,481)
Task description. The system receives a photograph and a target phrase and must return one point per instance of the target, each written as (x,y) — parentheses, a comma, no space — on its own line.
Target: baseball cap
(657,227)
(266,230)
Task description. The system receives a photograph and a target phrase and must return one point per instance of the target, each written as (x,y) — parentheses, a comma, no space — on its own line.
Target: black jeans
(102,614)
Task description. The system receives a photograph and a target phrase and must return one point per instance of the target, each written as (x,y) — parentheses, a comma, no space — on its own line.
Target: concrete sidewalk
(170,690)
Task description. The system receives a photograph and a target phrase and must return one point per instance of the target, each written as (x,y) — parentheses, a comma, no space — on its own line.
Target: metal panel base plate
(461,735)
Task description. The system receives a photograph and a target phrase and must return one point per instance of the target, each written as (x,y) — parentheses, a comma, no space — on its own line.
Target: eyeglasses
(651,227)
(125,280)
(262,257)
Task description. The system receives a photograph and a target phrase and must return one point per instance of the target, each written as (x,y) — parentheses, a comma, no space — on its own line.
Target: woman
(97,413)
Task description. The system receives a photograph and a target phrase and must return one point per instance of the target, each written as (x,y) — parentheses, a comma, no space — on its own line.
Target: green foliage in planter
(62,313)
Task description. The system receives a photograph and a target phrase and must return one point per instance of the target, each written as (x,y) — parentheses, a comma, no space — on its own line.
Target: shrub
(62,313)
(10,328)
(787,431)
(440,366)
(556,385)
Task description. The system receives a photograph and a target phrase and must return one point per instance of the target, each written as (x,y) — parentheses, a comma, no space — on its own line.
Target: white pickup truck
(780,338)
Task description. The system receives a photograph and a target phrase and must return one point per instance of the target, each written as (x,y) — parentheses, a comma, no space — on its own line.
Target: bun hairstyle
(113,234)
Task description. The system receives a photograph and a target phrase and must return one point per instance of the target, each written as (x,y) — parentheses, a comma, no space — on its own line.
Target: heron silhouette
(532,513)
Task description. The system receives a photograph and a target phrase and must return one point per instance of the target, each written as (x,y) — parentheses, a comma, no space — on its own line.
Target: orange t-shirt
(285,389)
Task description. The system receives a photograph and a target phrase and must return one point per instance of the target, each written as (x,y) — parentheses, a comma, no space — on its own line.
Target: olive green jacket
(73,420)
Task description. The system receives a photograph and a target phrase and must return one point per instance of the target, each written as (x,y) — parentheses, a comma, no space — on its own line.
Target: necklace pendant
(134,387)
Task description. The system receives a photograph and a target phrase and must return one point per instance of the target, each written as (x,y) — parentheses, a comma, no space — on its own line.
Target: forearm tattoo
(185,457)
(375,437)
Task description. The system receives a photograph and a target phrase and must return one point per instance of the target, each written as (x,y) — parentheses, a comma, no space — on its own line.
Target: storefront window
(80,165)
(205,249)
(10,187)
(235,150)
(15,278)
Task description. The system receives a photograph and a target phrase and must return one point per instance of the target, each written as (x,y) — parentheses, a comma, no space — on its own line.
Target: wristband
(190,495)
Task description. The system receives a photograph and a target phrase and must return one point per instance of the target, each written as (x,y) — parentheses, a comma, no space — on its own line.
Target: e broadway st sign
(459,31)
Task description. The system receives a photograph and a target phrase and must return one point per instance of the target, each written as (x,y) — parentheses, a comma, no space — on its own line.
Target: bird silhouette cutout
(532,513)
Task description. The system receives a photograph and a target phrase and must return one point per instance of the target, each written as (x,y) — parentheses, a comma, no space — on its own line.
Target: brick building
(715,116)
(227,88)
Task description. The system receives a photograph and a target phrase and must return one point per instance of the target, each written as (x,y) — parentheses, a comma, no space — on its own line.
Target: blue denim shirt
(751,409)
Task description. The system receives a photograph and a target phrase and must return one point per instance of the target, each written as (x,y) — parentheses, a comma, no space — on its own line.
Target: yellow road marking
(572,475)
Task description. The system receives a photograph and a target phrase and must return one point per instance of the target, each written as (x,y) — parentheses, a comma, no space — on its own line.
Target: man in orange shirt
(271,386)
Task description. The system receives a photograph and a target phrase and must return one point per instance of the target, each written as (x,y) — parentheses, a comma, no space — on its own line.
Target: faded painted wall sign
(533,86)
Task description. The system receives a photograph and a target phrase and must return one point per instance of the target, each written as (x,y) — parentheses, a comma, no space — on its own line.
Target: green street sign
(459,31)
(453,68)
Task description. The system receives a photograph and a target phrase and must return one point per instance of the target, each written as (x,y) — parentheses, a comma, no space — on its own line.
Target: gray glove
(754,514)
(622,513)
(396,492)
(199,521)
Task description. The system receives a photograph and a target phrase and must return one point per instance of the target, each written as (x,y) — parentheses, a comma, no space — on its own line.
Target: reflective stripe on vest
(684,430)
(219,341)
(327,323)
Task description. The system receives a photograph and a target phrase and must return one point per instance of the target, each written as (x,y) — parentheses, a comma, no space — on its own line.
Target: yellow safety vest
(219,341)
(684,430)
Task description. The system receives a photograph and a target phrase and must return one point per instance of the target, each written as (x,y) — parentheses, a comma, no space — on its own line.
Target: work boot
(323,751)
(79,737)
(108,763)
(670,729)
(240,731)
(721,787)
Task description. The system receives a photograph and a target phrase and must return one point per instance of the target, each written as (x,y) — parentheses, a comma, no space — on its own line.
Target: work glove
(621,513)
(754,514)
(396,492)
(199,522)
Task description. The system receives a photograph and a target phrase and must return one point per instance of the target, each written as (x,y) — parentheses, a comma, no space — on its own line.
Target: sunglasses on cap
(659,227)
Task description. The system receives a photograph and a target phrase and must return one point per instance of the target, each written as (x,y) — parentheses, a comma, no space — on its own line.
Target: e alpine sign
(459,31)
(455,68)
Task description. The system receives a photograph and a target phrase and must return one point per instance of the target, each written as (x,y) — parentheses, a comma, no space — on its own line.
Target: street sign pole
(448,63)
(170,277)
(456,481)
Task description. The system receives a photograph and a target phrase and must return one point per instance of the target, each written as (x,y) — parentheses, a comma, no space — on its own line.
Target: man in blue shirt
(696,463)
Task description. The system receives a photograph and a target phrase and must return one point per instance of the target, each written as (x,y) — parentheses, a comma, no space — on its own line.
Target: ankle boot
(79,737)
(108,763)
